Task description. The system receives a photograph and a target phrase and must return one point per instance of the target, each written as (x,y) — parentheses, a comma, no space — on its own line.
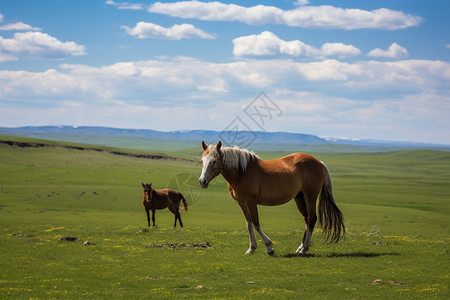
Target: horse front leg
(251,232)
(254,218)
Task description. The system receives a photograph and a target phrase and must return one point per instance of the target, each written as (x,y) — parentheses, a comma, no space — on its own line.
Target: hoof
(301,252)
(250,251)
(269,249)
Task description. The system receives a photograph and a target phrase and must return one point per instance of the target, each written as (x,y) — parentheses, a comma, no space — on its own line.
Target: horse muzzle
(203,183)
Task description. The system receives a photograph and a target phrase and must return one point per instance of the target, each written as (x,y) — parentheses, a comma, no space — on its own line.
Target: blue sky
(356,69)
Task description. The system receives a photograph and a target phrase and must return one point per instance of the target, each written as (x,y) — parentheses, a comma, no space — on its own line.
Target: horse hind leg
(301,205)
(311,219)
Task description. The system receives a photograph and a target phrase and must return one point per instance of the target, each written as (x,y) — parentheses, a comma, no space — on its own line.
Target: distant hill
(190,135)
(258,139)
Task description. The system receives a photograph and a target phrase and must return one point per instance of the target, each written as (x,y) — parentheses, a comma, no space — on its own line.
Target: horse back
(166,197)
(172,194)
(284,177)
(293,164)
(308,170)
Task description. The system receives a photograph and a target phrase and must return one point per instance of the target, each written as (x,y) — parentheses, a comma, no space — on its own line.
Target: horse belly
(161,203)
(278,194)
(273,202)
(161,206)
(278,189)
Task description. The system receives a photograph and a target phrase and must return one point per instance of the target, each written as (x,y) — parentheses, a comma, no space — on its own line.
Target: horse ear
(204,145)
(143,185)
(219,145)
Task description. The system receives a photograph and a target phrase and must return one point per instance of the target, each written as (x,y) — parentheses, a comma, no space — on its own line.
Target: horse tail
(330,217)
(184,203)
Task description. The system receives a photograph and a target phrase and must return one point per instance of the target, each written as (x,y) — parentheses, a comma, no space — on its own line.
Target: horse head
(212,163)
(147,188)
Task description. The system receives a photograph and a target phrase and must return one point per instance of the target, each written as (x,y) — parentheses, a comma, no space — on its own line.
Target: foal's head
(147,188)
(212,163)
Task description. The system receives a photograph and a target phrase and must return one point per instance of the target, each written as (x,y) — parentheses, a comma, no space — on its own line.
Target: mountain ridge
(241,138)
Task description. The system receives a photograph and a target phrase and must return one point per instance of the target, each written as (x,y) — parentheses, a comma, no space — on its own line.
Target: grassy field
(396,206)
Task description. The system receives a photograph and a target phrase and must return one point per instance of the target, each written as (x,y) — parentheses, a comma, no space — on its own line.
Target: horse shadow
(359,254)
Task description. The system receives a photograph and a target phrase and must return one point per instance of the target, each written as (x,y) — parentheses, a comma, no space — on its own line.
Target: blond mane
(235,158)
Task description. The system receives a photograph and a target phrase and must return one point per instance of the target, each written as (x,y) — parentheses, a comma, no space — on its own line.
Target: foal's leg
(251,232)
(175,211)
(253,210)
(178,216)
(175,214)
(177,208)
(153,218)
(148,216)
(301,205)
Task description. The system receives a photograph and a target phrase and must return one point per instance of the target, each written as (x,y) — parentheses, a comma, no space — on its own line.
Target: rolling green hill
(395,204)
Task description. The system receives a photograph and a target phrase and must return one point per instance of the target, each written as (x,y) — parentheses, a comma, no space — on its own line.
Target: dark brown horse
(156,200)
(253,181)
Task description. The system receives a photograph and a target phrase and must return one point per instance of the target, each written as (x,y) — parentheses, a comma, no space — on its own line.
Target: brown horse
(154,200)
(253,181)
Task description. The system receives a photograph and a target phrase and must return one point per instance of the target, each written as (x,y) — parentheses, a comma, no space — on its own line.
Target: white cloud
(304,16)
(38,45)
(339,49)
(447,46)
(187,76)
(145,30)
(217,11)
(19,26)
(268,44)
(126,5)
(410,117)
(325,97)
(394,51)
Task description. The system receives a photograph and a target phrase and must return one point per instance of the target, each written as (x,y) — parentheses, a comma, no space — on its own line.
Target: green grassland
(396,206)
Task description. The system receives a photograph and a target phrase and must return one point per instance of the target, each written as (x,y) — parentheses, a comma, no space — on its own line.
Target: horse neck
(233,173)
(233,176)
(152,195)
